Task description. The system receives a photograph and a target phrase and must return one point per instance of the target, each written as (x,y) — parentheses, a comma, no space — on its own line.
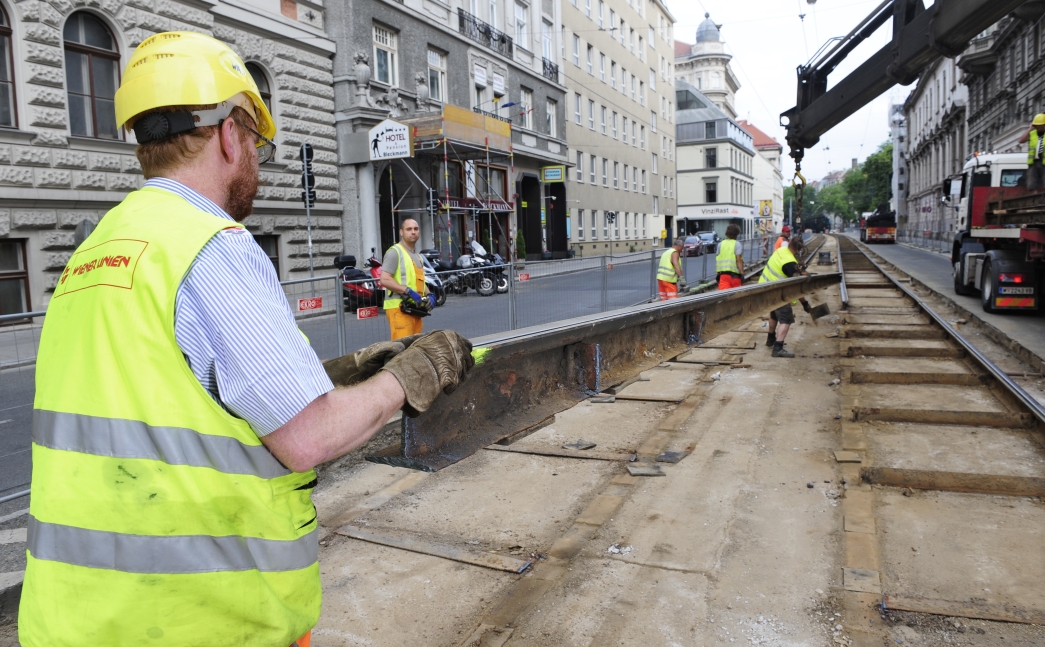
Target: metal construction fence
(937,241)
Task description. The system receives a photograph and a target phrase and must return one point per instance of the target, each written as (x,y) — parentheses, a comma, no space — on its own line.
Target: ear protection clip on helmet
(160,125)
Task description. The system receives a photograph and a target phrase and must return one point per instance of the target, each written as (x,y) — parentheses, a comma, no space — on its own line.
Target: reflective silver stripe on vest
(121,438)
(771,273)
(179,554)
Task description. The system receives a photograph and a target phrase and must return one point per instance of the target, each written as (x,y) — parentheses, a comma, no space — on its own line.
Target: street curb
(994,334)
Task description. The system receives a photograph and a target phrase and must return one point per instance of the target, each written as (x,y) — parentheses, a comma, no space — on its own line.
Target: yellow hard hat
(183,68)
(1039,119)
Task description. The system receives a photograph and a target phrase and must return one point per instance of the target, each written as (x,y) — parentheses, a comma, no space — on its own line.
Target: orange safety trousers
(666,290)
(304,641)
(402,324)
(727,281)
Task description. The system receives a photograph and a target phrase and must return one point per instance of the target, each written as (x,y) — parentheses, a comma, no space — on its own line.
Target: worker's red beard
(239,200)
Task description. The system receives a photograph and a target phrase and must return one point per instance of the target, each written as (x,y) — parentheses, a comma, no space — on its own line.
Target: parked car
(710,241)
(692,246)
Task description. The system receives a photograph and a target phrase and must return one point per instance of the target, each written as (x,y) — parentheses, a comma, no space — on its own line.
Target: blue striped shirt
(236,330)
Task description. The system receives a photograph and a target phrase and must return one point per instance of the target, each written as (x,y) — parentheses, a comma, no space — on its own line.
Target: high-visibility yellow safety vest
(157,517)
(1032,146)
(726,261)
(774,270)
(666,271)
(406,274)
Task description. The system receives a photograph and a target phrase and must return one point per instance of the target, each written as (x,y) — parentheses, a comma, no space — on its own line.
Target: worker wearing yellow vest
(403,277)
(1035,139)
(782,264)
(669,273)
(729,263)
(159,516)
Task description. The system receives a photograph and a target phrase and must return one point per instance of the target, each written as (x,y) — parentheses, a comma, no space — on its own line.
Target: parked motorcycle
(451,278)
(358,288)
(434,282)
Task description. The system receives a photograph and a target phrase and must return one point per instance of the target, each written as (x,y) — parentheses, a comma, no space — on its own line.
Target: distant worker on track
(179,411)
(782,264)
(669,273)
(729,264)
(781,241)
(403,276)
(1035,139)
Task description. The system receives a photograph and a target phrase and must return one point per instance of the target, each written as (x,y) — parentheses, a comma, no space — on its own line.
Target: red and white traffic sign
(368,313)
(524,277)
(315,303)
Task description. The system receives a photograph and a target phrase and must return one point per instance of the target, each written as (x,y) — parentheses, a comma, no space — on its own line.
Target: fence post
(704,272)
(339,312)
(512,323)
(605,297)
(653,274)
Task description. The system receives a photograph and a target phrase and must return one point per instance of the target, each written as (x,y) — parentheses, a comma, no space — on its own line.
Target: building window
(551,117)
(635,178)
(580,166)
(594,226)
(642,50)
(260,80)
(642,137)
(591,169)
(644,181)
(656,205)
(591,114)
(606,224)
(602,67)
(710,157)
(602,11)
(613,125)
(576,50)
(8,115)
(623,81)
(526,99)
(652,37)
(436,75)
(631,40)
(711,192)
(627,217)
(521,35)
(626,178)
(709,130)
(653,120)
(580,224)
(642,93)
(587,8)
(385,63)
(14,278)
(493,13)
(654,168)
(624,129)
(616,225)
(591,60)
(602,119)
(270,245)
(92,74)
(643,225)
(634,140)
(616,173)
(605,175)
(613,75)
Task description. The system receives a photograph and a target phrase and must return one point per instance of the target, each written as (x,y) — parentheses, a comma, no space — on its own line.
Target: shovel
(816,312)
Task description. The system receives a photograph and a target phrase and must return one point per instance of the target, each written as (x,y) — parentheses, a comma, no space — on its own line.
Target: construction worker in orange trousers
(669,273)
(403,277)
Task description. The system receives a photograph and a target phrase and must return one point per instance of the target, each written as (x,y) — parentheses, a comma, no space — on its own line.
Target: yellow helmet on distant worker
(1039,119)
(182,68)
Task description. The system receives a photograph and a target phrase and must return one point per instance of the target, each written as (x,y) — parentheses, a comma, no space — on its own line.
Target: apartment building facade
(617,67)
(715,167)
(63,162)
(935,113)
(705,66)
(479,85)
(768,195)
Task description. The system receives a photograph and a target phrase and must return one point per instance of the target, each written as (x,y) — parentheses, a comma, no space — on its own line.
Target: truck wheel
(987,288)
(960,287)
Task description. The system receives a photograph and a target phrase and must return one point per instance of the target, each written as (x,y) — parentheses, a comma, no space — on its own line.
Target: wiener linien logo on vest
(111,264)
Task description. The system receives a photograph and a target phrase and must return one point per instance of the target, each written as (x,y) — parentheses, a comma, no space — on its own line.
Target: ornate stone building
(705,66)
(63,162)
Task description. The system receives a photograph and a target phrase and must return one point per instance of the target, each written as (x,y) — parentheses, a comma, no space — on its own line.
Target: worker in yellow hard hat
(179,412)
(1035,139)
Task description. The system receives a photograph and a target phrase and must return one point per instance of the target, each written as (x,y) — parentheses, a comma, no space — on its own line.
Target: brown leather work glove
(365,363)
(437,362)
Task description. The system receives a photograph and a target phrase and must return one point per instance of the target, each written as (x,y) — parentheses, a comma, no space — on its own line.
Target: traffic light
(308,178)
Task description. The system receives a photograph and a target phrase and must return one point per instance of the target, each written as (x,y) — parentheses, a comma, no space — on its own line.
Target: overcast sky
(768,41)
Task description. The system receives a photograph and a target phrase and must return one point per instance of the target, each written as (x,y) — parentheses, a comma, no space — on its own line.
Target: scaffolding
(471,139)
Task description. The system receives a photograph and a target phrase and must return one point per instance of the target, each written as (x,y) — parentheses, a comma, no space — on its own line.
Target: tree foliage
(862,189)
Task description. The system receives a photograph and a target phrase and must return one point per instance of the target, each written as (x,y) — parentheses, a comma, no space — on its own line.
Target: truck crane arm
(920,36)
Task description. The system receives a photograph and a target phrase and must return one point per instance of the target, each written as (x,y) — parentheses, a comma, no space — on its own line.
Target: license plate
(1017,290)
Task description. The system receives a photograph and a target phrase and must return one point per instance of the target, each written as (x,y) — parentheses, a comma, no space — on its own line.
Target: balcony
(551,70)
(484,34)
